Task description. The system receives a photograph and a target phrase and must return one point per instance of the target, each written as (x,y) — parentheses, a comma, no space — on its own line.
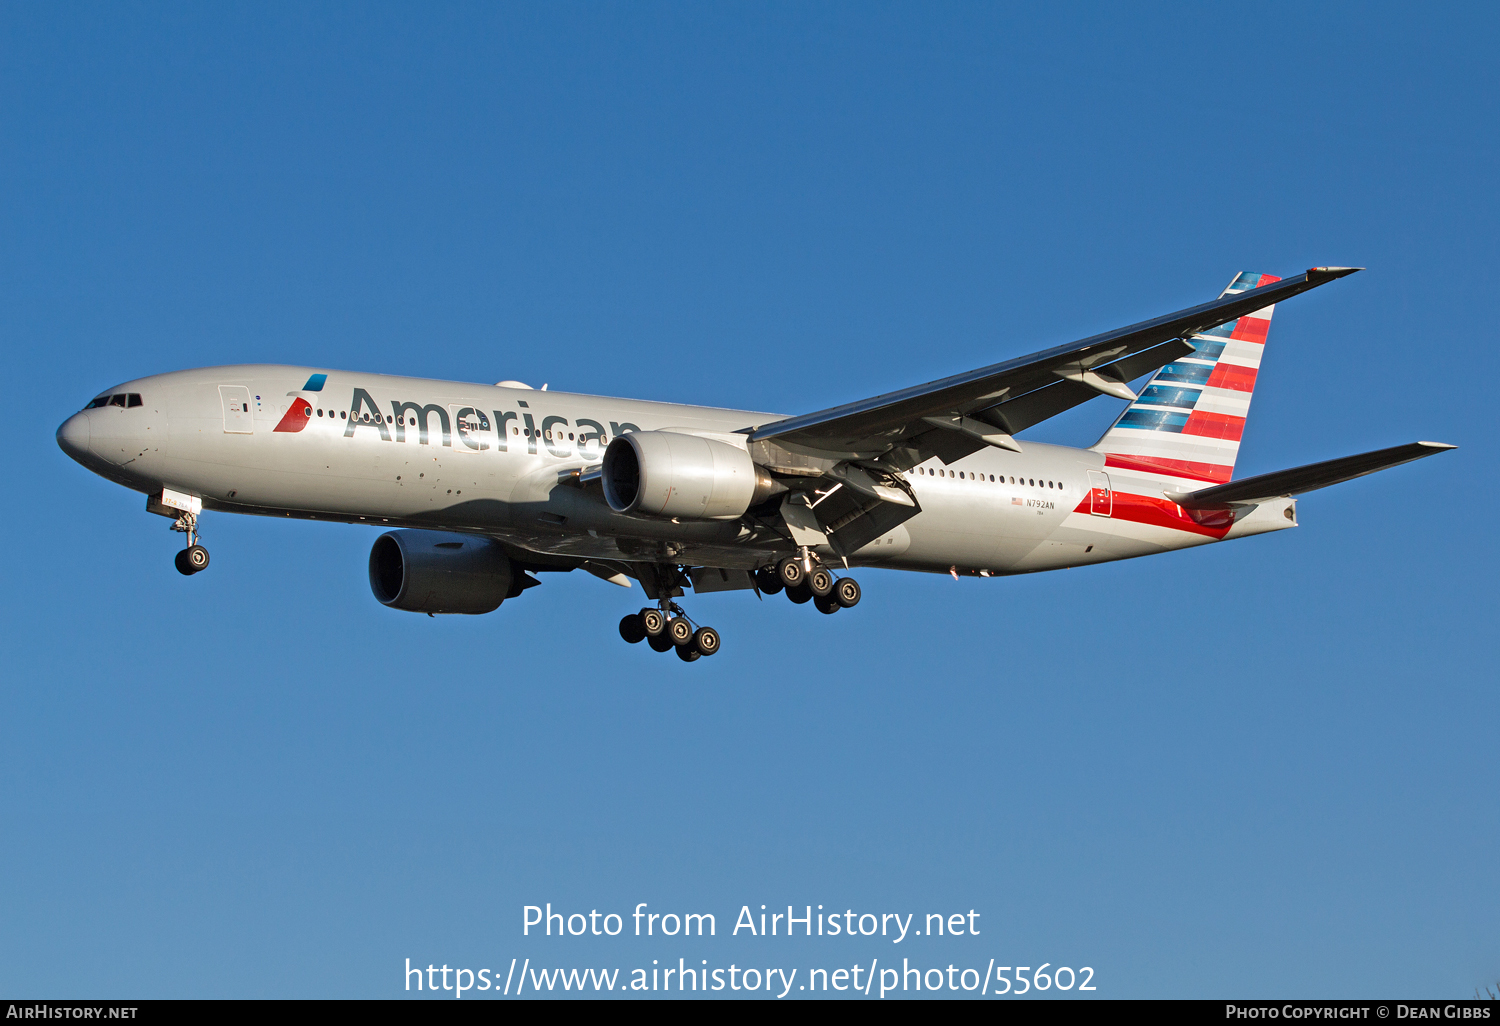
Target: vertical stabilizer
(1188,420)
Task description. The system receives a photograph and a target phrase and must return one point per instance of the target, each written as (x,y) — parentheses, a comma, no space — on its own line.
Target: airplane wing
(955,416)
(1298,480)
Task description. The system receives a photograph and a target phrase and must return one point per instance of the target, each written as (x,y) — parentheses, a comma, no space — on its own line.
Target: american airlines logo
(466,427)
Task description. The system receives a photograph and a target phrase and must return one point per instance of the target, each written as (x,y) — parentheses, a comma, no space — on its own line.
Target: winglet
(1322,274)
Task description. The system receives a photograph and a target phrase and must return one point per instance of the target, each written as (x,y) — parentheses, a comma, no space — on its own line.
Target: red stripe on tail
(1174,468)
(1233,377)
(1214,425)
(1143,509)
(1251,329)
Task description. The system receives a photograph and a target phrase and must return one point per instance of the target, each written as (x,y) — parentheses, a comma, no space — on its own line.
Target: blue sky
(1258,769)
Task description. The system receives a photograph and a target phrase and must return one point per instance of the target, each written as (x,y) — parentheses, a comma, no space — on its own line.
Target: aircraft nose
(73,436)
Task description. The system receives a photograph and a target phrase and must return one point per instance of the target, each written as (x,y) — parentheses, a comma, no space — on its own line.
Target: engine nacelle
(670,474)
(439,572)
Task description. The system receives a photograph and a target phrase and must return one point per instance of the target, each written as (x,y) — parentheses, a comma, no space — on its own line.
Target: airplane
(487,486)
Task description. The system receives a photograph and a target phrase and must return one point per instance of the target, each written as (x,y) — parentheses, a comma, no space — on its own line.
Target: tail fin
(1188,420)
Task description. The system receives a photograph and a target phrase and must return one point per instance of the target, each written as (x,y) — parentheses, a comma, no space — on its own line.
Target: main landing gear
(194,558)
(670,629)
(804,581)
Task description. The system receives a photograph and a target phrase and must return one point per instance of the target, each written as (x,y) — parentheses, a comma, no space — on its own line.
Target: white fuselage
(506,467)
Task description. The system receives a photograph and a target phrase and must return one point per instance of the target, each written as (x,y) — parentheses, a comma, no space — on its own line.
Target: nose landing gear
(194,558)
(669,628)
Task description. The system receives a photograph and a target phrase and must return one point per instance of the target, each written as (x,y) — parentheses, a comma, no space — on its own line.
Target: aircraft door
(1101,499)
(471,428)
(238,420)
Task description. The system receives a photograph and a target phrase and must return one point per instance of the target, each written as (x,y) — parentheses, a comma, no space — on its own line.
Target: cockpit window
(129,400)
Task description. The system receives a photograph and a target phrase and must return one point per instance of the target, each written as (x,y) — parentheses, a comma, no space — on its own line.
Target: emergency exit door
(238,420)
(1101,499)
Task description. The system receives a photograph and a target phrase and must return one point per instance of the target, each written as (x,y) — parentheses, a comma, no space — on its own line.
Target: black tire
(847,592)
(183,566)
(826,603)
(197,558)
(679,631)
(688,654)
(660,642)
(821,582)
(653,622)
(767,581)
(800,594)
(631,629)
(790,571)
(705,641)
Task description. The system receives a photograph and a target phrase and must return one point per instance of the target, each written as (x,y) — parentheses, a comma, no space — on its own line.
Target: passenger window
(117,400)
(133,399)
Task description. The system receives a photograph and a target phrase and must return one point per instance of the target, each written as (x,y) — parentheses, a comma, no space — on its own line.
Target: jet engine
(670,474)
(439,572)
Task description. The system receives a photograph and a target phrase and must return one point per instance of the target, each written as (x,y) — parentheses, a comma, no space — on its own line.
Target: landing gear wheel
(192,560)
(820,582)
(847,592)
(705,641)
(790,571)
(653,622)
(688,654)
(826,603)
(631,629)
(679,631)
(767,581)
(799,593)
(660,642)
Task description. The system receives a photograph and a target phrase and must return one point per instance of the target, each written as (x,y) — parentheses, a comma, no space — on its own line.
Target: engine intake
(670,474)
(439,572)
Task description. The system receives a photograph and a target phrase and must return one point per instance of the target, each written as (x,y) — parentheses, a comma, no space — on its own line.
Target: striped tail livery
(1188,420)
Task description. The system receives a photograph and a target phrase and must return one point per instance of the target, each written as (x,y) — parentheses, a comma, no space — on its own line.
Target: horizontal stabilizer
(1305,479)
